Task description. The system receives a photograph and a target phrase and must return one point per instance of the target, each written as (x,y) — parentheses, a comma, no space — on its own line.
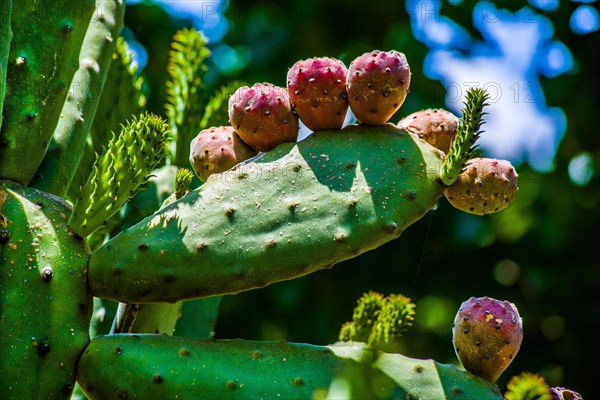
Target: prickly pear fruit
(561,393)
(377,85)
(317,90)
(486,186)
(262,116)
(436,126)
(217,149)
(486,335)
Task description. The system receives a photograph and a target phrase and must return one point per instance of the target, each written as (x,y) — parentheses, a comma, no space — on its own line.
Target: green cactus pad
(160,366)
(69,139)
(5,39)
(303,207)
(44,303)
(44,55)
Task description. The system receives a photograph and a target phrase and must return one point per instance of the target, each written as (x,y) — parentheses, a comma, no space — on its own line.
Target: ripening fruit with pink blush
(377,84)
(317,90)
(262,116)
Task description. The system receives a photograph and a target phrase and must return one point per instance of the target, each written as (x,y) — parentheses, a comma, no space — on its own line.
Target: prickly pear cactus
(326,199)
(171,253)
(236,369)
(45,305)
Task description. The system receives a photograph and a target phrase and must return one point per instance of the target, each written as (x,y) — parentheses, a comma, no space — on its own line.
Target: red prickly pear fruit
(435,126)
(485,186)
(377,85)
(217,149)
(317,90)
(262,116)
(486,335)
(561,393)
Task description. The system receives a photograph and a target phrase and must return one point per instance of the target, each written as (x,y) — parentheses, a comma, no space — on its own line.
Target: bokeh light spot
(584,20)
(553,327)
(581,169)
(507,272)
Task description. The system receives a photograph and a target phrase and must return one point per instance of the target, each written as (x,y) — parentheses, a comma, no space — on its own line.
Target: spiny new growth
(468,131)
(527,386)
(183,180)
(119,173)
(317,90)
(436,126)
(262,116)
(184,88)
(216,150)
(377,85)
(378,320)
(486,186)
(487,335)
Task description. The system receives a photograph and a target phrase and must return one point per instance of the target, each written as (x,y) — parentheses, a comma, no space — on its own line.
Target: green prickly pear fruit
(377,85)
(485,186)
(262,116)
(436,126)
(217,149)
(561,393)
(486,335)
(317,90)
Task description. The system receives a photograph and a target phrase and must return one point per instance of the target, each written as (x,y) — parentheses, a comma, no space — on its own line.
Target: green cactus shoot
(114,258)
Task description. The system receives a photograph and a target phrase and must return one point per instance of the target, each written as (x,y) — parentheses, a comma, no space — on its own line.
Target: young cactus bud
(527,386)
(119,173)
(485,187)
(183,180)
(487,335)
(379,321)
(437,127)
(395,318)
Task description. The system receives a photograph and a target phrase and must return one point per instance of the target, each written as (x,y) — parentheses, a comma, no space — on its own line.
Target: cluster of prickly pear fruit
(487,334)
(319,91)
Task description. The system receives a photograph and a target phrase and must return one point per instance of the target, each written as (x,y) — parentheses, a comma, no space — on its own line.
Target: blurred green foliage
(541,253)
